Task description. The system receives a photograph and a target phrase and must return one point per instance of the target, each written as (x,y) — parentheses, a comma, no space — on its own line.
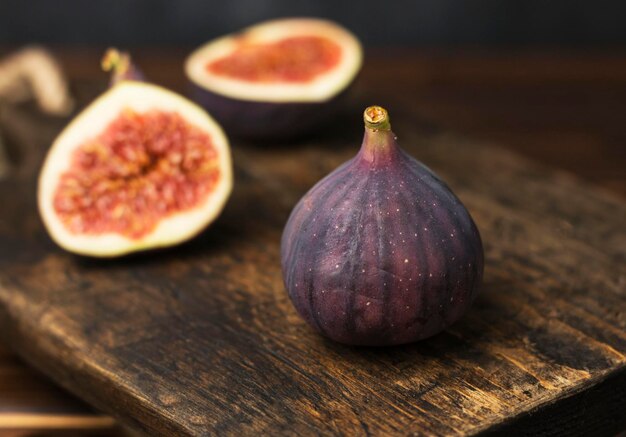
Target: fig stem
(115,61)
(376,118)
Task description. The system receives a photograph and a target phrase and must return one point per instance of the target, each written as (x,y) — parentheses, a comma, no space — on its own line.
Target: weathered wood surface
(202,338)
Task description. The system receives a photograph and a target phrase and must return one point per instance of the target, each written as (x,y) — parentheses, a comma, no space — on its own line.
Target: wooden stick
(54,421)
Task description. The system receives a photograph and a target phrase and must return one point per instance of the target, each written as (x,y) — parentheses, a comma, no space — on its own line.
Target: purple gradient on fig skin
(266,120)
(380,251)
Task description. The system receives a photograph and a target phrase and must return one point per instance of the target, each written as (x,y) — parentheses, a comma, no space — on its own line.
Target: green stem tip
(376,118)
(115,61)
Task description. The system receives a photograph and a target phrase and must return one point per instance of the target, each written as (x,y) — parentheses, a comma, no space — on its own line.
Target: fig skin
(257,120)
(381,252)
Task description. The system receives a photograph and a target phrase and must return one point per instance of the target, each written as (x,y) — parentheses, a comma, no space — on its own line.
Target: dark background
(491,23)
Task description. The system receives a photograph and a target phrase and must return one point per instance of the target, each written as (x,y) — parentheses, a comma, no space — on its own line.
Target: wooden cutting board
(203,340)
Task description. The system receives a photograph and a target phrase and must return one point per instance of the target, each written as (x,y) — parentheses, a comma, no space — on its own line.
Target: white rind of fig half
(174,227)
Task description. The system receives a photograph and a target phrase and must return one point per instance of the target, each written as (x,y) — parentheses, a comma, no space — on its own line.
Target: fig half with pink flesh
(276,79)
(141,167)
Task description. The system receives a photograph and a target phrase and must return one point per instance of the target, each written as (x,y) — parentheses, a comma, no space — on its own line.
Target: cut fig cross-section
(276,79)
(140,168)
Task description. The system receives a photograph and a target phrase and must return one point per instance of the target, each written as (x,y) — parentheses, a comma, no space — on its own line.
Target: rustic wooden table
(563,110)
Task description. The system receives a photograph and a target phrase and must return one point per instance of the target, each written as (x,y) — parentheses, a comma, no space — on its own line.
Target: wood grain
(202,339)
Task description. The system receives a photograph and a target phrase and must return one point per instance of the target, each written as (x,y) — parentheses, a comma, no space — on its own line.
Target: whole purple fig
(380,251)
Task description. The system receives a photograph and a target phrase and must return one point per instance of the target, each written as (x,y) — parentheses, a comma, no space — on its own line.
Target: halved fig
(140,168)
(276,79)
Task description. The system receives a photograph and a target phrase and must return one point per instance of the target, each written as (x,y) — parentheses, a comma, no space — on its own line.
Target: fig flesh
(380,251)
(139,168)
(276,79)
